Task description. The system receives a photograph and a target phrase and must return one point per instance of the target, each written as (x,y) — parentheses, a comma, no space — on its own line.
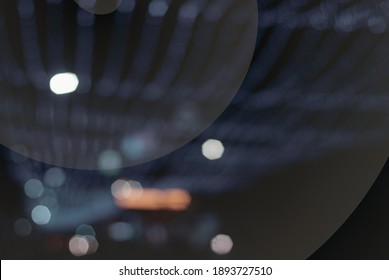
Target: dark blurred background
(274,177)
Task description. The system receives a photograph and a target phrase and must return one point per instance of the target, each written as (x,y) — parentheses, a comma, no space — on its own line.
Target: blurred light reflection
(41,215)
(33,188)
(85,230)
(212,149)
(122,189)
(78,245)
(81,245)
(152,199)
(221,244)
(64,83)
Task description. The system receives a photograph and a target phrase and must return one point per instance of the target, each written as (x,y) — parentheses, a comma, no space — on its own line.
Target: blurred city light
(33,188)
(41,215)
(221,244)
(152,199)
(212,149)
(85,230)
(81,245)
(122,189)
(271,123)
(64,83)
(78,245)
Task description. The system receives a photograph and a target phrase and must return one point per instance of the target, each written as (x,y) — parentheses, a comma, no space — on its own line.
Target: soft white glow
(41,215)
(64,83)
(78,245)
(221,244)
(212,149)
(122,189)
(81,245)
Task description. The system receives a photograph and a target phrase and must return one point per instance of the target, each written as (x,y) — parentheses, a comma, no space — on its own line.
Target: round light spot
(122,189)
(22,227)
(85,230)
(121,231)
(41,215)
(33,188)
(64,83)
(93,244)
(221,244)
(54,177)
(78,245)
(109,160)
(212,149)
